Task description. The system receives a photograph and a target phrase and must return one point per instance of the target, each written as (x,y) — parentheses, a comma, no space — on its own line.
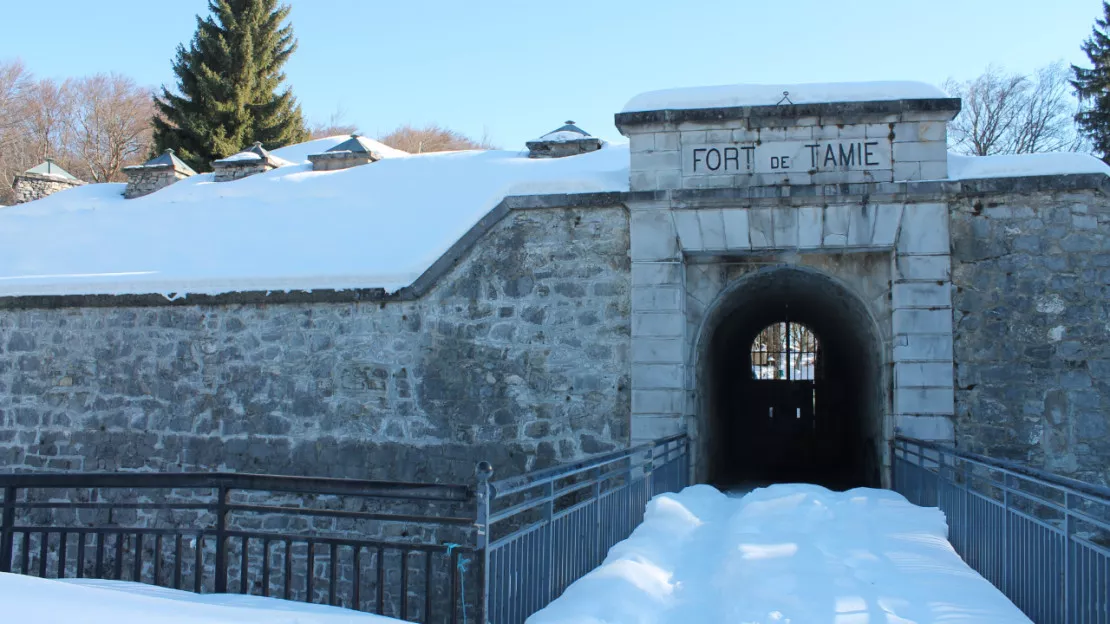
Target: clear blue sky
(518,68)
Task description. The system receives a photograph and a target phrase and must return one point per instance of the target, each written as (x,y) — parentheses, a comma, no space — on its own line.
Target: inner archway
(792,384)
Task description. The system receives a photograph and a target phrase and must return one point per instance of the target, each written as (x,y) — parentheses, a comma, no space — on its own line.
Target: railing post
(549,542)
(483,471)
(7,532)
(1006,482)
(221,540)
(1070,606)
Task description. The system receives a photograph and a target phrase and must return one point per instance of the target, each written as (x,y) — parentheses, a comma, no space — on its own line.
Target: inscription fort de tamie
(786,157)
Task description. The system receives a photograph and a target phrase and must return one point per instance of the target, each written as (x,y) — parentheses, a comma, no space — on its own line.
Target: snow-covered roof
(564,133)
(165,159)
(1018,165)
(725,96)
(50,169)
(290,228)
(254,153)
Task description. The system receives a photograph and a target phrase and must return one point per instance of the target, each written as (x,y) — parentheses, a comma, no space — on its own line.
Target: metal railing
(542,531)
(493,553)
(1042,539)
(382,547)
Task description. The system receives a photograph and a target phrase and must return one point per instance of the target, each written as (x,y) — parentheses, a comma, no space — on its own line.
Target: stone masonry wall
(1031,297)
(518,356)
(144,180)
(29,187)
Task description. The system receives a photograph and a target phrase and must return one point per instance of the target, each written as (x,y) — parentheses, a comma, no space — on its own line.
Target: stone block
(652,236)
(924,400)
(934,170)
(657,298)
(658,350)
(641,142)
(658,402)
(712,229)
(655,161)
(923,347)
(785,227)
(718,136)
(810,227)
(761,227)
(689,230)
(923,374)
(921,295)
(658,324)
(924,229)
(735,221)
(907,171)
(657,376)
(888,220)
(666,141)
(647,427)
(920,151)
(914,321)
(860,224)
(668,179)
(932,428)
(656,273)
(915,267)
(693,137)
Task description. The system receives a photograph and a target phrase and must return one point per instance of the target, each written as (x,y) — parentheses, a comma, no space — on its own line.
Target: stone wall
(1031,296)
(144,179)
(227,172)
(29,187)
(518,356)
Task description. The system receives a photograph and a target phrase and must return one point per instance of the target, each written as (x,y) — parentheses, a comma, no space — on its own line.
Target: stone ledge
(947,106)
(418,289)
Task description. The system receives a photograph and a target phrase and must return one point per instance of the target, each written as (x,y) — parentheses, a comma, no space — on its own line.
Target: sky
(511,70)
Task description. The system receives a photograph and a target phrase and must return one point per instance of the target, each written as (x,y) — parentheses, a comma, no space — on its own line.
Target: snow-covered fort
(339,308)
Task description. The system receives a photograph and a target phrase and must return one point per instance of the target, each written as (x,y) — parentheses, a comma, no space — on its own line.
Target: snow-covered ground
(786,554)
(42,601)
(1016,165)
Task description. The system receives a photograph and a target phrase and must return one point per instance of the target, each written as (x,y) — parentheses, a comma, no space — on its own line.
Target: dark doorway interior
(794,385)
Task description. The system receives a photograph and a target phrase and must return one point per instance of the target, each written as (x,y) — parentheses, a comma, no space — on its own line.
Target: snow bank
(378,225)
(785,554)
(28,599)
(1016,165)
(762,95)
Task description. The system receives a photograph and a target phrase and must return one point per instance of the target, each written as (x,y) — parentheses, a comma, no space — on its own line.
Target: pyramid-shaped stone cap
(357,144)
(252,156)
(166,160)
(567,140)
(49,169)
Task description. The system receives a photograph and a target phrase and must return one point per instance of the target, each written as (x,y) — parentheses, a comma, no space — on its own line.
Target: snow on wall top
(291,228)
(725,96)
(1017,165)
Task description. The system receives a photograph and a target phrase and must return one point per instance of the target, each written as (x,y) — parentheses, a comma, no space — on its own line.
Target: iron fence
(387,548)
(1042,539)
(495,553)
(542,531)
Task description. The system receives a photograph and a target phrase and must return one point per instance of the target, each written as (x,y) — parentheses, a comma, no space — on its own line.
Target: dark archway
(827,429)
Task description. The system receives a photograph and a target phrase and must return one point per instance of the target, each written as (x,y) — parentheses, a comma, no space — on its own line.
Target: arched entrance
(791,383)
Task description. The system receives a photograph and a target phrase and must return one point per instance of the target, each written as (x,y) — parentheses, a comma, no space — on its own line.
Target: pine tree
(1093,86)
(227,82)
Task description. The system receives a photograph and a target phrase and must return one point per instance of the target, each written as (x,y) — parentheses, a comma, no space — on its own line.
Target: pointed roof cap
(567,132)
(357,144)
(253,153)
(48,168)
(166,159)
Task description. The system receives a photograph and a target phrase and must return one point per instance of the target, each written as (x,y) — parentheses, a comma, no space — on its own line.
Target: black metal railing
(387,548)
(1042,539)
(546,529)
(493,552)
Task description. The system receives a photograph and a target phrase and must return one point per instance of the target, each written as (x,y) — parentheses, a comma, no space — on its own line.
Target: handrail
(1028,471)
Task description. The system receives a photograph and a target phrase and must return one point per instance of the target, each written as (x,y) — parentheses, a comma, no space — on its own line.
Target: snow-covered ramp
(786,554)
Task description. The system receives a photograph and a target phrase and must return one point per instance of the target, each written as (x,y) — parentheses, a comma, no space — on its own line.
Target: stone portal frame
(685,226)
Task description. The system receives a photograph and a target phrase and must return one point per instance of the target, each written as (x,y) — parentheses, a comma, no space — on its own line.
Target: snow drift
(378,225)
(29,599)
(787,554)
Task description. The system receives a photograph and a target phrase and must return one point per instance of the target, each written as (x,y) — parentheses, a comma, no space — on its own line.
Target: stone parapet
(31,186)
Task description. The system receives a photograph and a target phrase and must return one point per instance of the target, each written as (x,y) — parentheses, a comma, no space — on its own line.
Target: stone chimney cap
(567,132)
(48,168)
(166,159)
(357,144)
(252,155)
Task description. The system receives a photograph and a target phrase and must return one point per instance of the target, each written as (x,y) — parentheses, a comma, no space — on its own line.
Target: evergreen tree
(1093,86)
(228,81)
